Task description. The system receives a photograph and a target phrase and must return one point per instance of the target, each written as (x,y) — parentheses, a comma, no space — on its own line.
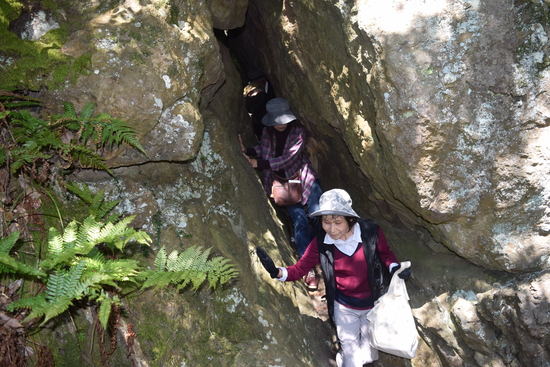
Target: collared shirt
(348,246)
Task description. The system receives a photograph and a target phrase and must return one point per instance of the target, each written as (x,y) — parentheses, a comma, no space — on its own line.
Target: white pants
(351,326)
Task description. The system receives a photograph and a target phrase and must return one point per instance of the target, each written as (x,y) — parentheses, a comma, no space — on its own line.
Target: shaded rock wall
(441,104)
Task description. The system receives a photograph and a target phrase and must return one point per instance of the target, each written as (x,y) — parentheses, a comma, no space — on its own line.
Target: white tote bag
(391,323)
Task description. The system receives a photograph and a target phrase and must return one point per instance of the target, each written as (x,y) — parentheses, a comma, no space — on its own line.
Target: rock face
(442,104)
(502,327)
(153,72)
(432,114)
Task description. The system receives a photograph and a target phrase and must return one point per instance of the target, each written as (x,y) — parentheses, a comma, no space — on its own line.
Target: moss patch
(33,65)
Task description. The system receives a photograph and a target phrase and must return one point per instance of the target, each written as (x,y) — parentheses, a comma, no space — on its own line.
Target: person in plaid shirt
(282,150)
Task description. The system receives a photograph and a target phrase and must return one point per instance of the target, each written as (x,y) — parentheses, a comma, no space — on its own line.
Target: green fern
(75,269)
(222,271)
(38,306)
(6,244)
(64,283)
(75,266)
(69,110)
(88,111)
(191,267)
(160,260)
(32,138)
(105,130)
(107,301)
(98,207)
(8,264)
(87,157)
(81,239)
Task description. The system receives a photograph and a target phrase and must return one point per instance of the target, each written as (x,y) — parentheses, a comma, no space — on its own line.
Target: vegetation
(29,64)
(32,142)
(80,262)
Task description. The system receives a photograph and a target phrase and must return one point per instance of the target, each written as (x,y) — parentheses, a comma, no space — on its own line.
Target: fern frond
(54,284)
(160,260)
(105,308)
(98,206)
(89,131)
(83,193)
(222,271)
(14,103)
(55,308)
(117,132)
(87,286)
(9,265)
(197,278)
(28,126)
(108,272)
(80,240)
(55,242)
(96,201)
(122,270)
(119,234)
(172,261)
(70,235)
(157,279)
(38,306)
(6,243)
(95,261)
(88,158)
(102,210)
(69,110)
(63,248)
(65,283)
(95,256)
(191,258)
(191,267)
(76,283)
(89,234)
(87,111)
(72,279)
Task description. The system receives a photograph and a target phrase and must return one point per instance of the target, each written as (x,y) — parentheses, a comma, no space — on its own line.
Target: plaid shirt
(293,159)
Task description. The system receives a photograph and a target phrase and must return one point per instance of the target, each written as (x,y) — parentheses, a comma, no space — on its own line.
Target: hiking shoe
(311,280)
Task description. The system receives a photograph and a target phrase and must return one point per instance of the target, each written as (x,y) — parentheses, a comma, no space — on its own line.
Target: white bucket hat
(335,202)
(278,112)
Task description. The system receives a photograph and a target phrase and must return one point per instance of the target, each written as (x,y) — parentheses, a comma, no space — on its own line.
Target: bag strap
(295,176)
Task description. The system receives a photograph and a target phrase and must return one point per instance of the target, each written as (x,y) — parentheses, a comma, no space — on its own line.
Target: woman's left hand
(253,162)
(405,274)
(243,148)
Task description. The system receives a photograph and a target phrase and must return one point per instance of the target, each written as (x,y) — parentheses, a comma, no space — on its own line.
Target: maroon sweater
(350,271)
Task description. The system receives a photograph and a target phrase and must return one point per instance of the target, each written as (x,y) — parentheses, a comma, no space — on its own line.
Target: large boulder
(443,106)
(153,71)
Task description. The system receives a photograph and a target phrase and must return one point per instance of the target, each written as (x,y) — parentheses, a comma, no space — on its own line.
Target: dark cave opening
(249,48)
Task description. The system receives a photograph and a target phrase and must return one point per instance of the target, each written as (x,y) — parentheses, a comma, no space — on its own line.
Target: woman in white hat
(282,151)
(357,264)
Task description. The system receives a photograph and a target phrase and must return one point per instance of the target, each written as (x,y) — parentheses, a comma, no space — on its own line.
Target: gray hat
(335,202)
(278,112)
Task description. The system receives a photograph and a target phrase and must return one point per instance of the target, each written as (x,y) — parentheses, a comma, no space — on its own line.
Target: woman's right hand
(267,262)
